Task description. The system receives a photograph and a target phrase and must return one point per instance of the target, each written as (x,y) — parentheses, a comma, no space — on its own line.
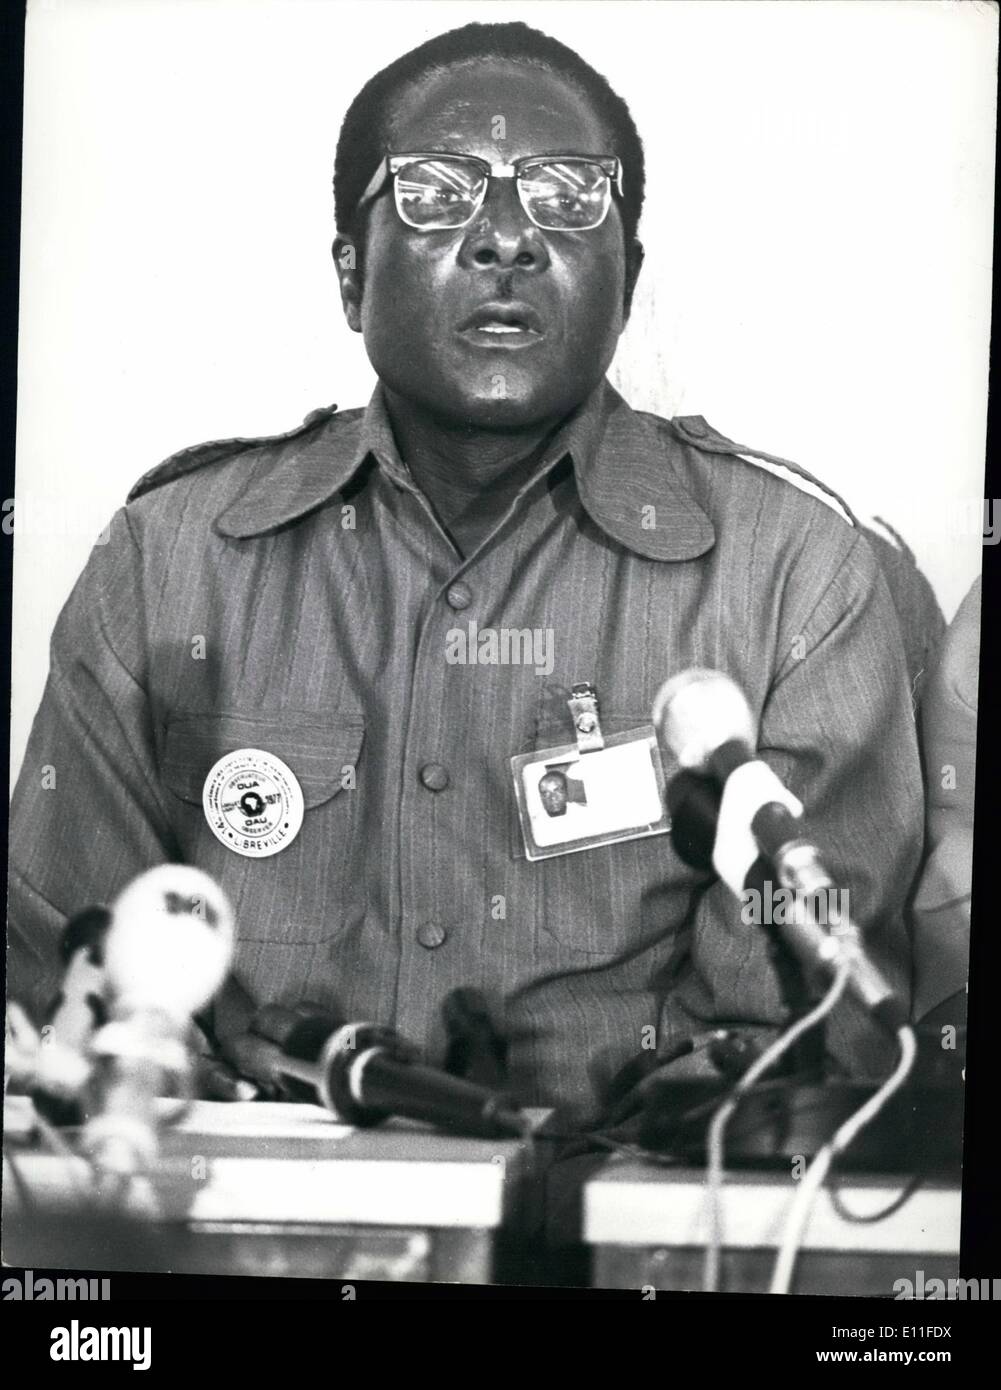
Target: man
(942,903)
(557,791)
(273,617)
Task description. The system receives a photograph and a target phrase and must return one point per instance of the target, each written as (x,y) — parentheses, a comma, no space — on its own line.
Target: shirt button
(434,777)
(431,934)
(458,596)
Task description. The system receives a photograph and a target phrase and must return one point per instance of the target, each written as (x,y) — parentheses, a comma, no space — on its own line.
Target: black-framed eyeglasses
(439,192)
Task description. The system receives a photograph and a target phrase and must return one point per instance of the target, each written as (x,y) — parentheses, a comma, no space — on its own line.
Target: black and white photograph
(497,538)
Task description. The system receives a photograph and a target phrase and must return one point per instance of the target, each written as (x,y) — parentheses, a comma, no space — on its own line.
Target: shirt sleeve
(87,813)
(837,727)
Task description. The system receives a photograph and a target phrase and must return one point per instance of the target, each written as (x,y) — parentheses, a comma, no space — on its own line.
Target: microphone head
(697,712)
(170,942)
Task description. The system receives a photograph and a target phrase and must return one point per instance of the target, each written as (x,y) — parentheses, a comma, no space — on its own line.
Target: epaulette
(198,455)
(918,612)
(697,431)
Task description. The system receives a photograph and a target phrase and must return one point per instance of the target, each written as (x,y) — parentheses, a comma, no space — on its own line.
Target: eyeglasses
(439,192)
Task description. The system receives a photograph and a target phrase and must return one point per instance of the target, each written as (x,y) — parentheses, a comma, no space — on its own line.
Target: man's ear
(634,264)
(346,259)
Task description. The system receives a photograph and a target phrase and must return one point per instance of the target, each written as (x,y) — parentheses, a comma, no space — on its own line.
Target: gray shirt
(297,594)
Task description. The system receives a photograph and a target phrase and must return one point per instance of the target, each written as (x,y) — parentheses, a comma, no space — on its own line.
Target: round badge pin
(253,803)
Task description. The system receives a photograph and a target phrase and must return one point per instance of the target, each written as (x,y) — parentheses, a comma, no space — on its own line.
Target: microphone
(364,1072)
(60,1065)
(166,951)
(705,720)
(703,717)
(693,802)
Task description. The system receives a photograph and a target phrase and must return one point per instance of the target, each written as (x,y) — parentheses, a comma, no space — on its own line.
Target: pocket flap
(317,749)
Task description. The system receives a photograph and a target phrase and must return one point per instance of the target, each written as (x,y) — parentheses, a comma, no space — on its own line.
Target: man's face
(553,793)
(420,288)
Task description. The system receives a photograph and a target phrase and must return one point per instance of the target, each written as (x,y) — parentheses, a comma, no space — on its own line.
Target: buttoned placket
(430,938)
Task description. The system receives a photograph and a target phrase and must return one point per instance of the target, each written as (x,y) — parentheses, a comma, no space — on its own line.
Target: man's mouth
(502,325)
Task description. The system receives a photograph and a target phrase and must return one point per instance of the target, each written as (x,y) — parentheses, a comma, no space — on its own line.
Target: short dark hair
(360,145)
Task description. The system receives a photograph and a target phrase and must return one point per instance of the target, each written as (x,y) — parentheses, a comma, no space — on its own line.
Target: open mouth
(502,325)
(503,328)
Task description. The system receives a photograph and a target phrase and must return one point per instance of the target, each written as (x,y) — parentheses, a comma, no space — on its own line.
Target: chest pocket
(604,901)
(307,892)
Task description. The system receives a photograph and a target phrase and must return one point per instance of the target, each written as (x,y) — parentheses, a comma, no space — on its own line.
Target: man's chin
(514,414)
(507,400)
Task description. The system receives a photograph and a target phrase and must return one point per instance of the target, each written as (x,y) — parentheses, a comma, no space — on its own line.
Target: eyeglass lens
(567,195)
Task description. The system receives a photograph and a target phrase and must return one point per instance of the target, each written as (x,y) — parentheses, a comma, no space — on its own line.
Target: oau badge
(253,803)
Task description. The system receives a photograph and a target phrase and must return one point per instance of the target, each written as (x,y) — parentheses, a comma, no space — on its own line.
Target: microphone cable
(715,1138)
(814,1176)
(913,1183)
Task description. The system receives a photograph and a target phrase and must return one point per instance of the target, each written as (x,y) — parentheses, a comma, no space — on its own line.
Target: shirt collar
(628,469)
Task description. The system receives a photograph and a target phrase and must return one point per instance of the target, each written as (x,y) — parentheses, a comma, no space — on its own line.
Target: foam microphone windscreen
(170,942)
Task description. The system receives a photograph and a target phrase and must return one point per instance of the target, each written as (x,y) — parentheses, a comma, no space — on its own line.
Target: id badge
(571,800)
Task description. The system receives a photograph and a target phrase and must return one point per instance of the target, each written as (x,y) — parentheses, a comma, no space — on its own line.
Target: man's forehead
(515,107)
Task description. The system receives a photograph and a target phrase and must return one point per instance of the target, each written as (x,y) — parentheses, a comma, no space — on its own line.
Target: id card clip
(583,704)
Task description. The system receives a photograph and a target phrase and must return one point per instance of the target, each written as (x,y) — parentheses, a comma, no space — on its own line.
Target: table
(276,1189)
(647,1227)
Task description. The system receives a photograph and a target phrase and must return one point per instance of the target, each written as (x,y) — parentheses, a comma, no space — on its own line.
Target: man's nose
(502,234)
